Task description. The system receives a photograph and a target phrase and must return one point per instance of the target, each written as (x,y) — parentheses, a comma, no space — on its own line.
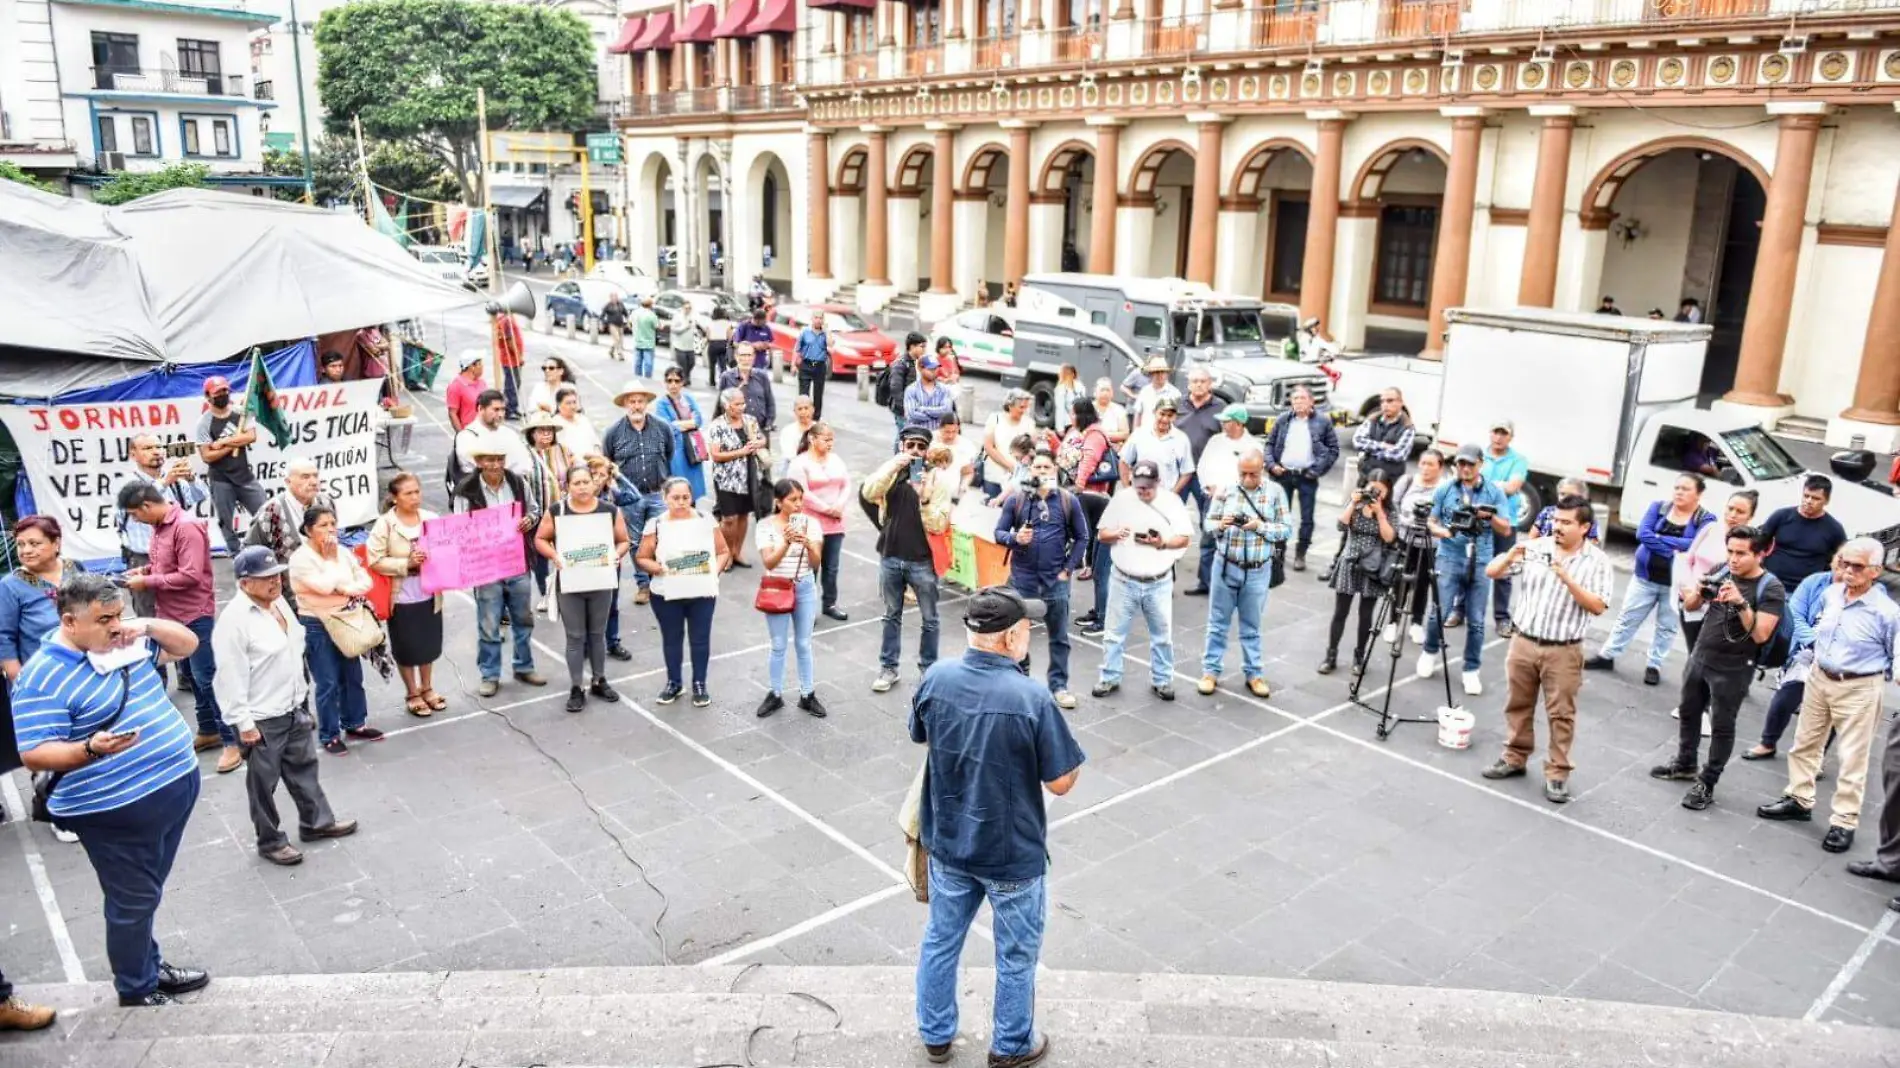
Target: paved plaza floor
(1224,834)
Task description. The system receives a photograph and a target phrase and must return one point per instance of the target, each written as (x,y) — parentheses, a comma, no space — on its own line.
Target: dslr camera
(1711,584)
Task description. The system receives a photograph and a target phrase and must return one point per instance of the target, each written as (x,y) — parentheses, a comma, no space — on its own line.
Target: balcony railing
(184,83)
(1079,44)
(1176,37)
(738,99)
(927,59)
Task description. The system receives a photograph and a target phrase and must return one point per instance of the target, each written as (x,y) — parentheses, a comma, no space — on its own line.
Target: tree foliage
(131,185)
(399,166)
(408,69)
(12,173)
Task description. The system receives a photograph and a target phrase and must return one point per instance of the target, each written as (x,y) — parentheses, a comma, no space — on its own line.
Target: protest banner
(685,548)
(77,455)
(585,544)
(474,549)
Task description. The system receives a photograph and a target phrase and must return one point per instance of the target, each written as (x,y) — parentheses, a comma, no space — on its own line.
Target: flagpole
(250,381)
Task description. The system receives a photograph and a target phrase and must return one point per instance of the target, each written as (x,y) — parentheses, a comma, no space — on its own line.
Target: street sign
(603,148)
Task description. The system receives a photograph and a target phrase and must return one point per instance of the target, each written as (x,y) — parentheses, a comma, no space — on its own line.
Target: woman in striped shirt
(791,546)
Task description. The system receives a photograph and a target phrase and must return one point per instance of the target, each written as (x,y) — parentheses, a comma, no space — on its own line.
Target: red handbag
(777,594)
(382,588)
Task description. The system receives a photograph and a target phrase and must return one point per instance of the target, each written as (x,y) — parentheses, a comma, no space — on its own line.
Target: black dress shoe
(1652,677)
(839,614)
(576,699)
(1838,840)
(772,703)
(1786,808)
(174,981)
(1599,663)
(600,689)
(1164,691)
(1198,591)
(812,706)
(619,652)
(1868,869)
(152,1000)
(1674,771)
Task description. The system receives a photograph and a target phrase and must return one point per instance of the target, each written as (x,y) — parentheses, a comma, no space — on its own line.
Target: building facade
(1373,161)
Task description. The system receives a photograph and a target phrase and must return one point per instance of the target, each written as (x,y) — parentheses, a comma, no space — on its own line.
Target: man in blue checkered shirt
(1246,521)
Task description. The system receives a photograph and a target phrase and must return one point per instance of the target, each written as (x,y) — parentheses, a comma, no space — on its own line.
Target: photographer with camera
(1563,581)
(1146,529)
(1414,493)
(1248,522)
(1745,604)
(1467,519)
(1363,567)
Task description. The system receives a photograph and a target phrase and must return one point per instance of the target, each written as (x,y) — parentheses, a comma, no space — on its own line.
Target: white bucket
(1454,727)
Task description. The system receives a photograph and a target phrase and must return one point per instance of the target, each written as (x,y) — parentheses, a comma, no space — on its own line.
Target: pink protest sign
(465,551)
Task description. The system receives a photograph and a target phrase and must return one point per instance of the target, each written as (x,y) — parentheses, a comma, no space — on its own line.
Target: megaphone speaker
(519,300)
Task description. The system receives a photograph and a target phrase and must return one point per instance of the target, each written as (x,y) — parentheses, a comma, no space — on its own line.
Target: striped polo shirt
(59,697)
(1542,607)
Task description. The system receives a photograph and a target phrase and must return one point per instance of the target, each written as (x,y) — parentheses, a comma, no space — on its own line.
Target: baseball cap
(930,363)
(470,357)
(217,384)
(994,609)
(1233,413)
(256,561)
(1146,473)
(1468,454)
(1167,404)
(1505,425)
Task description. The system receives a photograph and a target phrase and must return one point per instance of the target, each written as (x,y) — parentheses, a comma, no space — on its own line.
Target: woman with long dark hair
(415,616)
(584,612)
(791,547)
(327,577)
(1367,524)
(681,619)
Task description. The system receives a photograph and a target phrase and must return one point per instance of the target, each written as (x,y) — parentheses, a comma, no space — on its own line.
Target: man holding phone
(1047,536)
(89,706)
(1147,529)
(175,479)
(903,549)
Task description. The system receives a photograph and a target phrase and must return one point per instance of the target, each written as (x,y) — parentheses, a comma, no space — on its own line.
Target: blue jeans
(1456,584)
(644,507)
(828,566)
(1154,599)
(203,665)
(1642,598)
(893,577)
(1200,498)
(337,681)
(795,627)
(518,594)
(1104,577)
(643,362)
(1055,596)
(511,390)
(677,618)
(1304,489)
(1235,589)
(131,849)
(1019,911)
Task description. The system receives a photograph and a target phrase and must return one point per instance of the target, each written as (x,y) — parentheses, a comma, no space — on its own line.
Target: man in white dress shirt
(1147,529)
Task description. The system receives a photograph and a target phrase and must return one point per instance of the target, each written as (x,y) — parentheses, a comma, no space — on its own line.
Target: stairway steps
(1802,428)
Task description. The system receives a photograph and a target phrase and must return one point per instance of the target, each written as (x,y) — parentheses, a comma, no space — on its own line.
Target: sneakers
(884,681)
(1064,699)
(576,699)
(600,689)
(1652,677)
(64,836)
(670,693)
(812,706)
(1599,662)
(1206,686)
(532,678)
(488,688)
(1389,633)
(1417,633)
(1556,791)
(1472,683)
(1427,665)
(1674,771)
(1163,691)
(772,703)
(1330,663)
(700,697)
(1299,559)
(1699,797)
(17,1015)
(1103,689)
(1503,769)
(1505,629)
(1094,629)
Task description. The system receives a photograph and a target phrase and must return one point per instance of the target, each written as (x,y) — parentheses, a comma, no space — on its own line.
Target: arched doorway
(1161,189)
(764,241)
(709,233)
(911,206)
(1061,209)
(1276,180)
(982,219)
(1677,220)
(848,221)
(655,219)
(1396,200)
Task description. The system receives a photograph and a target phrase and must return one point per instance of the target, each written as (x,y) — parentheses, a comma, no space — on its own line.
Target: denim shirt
(995,737)
(1059,535)
(1450,497)
(813,347)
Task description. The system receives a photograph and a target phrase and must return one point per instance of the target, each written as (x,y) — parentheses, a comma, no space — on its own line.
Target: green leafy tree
(408,70)
(12,173)
(131,185)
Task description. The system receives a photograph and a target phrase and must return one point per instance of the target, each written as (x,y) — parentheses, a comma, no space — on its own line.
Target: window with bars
(1408,237)
(108,134)
(142,136)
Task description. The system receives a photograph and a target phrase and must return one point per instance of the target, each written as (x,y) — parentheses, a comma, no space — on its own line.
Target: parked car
(855,342)
(702,300)
(630,276)
(445,263)
(582,301)
(984,338)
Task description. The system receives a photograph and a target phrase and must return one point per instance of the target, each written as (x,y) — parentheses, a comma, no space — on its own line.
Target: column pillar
(1322,219)
(877,212)
(1538,285)
(1877,386)
(953,22)
(818,203)
(1771,295)
(943,179)
(1205,222)
(1107,194)
(887,25)
(1032,16)
(1451,267)
(1016,215)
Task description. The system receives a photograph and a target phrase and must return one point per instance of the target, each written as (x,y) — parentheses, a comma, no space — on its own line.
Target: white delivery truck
(1611,401)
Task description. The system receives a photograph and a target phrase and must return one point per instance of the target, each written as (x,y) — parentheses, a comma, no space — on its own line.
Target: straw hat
(542,421)
(637,387)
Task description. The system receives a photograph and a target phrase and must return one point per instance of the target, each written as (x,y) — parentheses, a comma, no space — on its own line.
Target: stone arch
(851,167)
(764,220)
(1141,180)
(1371,177)
(1594,209)
(1066,155)
(1246,181)
(983,161)
(913,168)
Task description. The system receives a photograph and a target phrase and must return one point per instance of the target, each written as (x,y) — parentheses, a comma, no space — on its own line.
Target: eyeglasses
(1848,565)
(914,446)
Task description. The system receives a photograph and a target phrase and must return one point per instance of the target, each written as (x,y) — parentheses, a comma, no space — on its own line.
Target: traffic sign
(603,148)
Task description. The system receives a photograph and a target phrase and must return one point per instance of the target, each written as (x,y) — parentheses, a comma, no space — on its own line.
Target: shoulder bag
(45,782)
(777,594)
(353,628)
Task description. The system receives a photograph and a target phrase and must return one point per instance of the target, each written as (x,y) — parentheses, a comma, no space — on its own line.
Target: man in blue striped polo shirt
(84,708)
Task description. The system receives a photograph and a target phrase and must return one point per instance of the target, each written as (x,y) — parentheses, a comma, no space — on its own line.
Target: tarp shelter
(187,276)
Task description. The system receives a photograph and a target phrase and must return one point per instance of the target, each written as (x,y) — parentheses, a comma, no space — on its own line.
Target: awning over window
(658,33)
(775,16)
(629,33)
(867,5)
(698,27)
(519,197)
(733,23)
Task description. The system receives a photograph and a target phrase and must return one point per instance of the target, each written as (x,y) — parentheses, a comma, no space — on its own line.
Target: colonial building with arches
(1372,161)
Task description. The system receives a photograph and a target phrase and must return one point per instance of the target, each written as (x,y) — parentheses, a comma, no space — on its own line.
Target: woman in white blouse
(577,431)
(326,577)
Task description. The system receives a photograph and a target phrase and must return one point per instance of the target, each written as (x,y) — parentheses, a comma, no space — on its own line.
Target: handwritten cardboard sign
(472,550)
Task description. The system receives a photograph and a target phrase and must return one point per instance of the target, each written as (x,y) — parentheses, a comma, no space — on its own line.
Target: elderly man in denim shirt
(1462,556)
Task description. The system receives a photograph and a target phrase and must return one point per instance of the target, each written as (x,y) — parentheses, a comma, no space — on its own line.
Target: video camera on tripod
(1470,519)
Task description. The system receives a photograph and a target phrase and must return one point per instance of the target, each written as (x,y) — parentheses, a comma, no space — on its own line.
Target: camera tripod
(1395,608)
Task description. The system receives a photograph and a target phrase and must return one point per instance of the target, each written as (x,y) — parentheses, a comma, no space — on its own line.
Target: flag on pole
(260,402)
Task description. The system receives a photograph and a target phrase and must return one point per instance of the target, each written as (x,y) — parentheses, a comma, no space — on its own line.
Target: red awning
(733,22)
(658,33)
(629,32)
(867,5)
(777,16)
(698,27)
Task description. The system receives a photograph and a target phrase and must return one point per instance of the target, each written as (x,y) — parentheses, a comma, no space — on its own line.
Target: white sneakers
(1473,684)
(1427,664)
(1418,633)
(1389,633)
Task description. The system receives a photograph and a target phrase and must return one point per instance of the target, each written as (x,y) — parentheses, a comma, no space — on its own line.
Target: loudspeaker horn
(519,300)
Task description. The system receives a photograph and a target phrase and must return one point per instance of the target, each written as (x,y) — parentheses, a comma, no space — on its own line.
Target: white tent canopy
(191,276)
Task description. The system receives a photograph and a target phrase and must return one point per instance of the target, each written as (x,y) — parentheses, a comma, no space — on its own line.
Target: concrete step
(862,1017)
(1802,428)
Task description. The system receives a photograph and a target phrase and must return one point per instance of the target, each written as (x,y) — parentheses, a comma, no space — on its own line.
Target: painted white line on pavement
(758,945)
(69,964)
(1845,977)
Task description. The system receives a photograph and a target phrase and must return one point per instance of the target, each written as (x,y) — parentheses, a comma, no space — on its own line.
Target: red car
(855,342)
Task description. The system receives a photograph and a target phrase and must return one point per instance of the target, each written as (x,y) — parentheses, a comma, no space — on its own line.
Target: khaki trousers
(1851,709)
(1557,672)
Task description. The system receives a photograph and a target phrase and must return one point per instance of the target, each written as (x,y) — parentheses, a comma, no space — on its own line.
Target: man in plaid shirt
(1245,520)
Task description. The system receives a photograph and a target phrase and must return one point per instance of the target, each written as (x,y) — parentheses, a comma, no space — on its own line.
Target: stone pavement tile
(704,929)
(1610,981)
(506,947)
(1092,839)
(1874,994)
(498,856)
(33,1051)
(1480,971)
(1083,945)
(1554,942)
(1311,926)
(678,844)
(412,1048)
(353,934)
(531,892)
(849,942)
(1682,945)
(1744,990)
(453,918)
(1357,962)
(651,812)
(810,785)
(258,939)
(1797,949)
(591,1046)
(1418,949)
(846,879)
(253,1051)
(1170,933)
(592,934)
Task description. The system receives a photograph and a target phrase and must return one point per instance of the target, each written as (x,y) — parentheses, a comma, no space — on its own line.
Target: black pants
(1424,589)
(1718,691)
(828,566)
(811,382)
(716,361)
(1342,603)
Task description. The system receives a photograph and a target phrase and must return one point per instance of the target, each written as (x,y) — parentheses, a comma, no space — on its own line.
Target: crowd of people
(1128,480)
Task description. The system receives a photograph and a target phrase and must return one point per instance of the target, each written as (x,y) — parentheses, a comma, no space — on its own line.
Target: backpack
(881,391)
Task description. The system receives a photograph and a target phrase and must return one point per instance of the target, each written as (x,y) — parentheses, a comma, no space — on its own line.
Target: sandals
(436,701)
(418,706)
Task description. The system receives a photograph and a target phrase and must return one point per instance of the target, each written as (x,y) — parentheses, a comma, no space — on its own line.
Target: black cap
(915,432)
(1146,473)
(994,609)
